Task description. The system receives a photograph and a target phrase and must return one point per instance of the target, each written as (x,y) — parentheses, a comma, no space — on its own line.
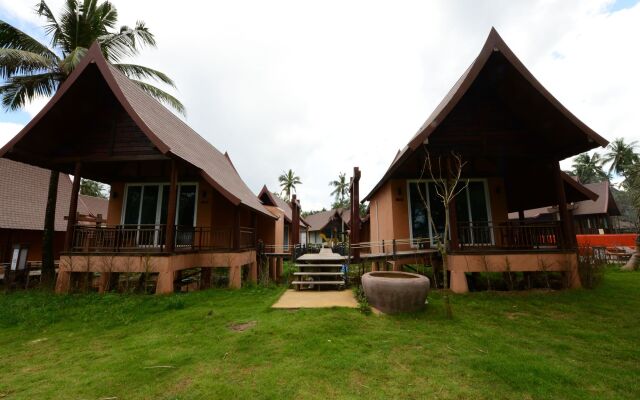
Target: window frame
(484,181)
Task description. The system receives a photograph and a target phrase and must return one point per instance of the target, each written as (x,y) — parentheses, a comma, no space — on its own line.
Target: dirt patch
(243,326)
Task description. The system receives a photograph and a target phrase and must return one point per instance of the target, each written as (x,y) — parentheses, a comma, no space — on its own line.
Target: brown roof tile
(23,196)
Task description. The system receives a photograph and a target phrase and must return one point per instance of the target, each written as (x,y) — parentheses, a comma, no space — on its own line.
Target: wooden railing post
(73,206)
(171,210)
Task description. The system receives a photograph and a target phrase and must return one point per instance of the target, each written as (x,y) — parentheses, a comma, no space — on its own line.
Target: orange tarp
(609,240)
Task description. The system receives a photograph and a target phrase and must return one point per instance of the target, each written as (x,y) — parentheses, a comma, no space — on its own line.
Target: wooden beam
(355,213)
(569,239)
(295,225)
(73,206)
(172,207)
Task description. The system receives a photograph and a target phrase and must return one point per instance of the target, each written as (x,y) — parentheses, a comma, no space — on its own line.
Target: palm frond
(51,27)
(13,61)
(72,60)
(19,89)
(161,96)
(134,71)
(13,38)
(127,42)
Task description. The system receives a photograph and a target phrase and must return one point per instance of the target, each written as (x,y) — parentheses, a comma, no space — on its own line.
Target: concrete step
(317,283)
(319,265)
(318,273)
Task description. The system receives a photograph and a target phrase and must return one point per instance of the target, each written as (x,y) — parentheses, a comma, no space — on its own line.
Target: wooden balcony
(509,236)
(152,239)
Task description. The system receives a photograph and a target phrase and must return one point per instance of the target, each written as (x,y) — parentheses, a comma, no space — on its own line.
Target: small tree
(92,188)
(446,189)
(632,184)
(288,181)
(340,191)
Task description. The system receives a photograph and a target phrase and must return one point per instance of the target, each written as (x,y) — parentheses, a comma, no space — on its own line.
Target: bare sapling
(446,187)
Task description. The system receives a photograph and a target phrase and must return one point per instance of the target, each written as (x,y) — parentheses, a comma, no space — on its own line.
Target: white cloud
(8,130)
(321,87)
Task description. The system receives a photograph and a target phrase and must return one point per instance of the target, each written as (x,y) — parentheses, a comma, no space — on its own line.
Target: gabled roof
(93,206)
(604,204)
(23,197)
(276,201)
(493,44)
(600,201)
(320,220)
(171,136)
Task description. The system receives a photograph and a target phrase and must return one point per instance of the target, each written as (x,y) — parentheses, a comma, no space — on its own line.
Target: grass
(519,345)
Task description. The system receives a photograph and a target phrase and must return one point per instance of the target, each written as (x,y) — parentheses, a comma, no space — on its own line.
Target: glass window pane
(479,215)
(149,205)
(164,207)
(419,222)
(478,201)
(132,207)
(187,205)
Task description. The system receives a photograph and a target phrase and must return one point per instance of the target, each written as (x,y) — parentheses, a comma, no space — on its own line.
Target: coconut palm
(31,69)
(588,168)
(288,181)
(620,156)
(341,188)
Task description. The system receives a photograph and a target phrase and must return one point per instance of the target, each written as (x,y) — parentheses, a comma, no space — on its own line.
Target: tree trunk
(445,263)
(634,262)
(48,267)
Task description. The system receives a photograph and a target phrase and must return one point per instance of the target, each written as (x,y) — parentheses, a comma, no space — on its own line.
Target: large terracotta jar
(395,292)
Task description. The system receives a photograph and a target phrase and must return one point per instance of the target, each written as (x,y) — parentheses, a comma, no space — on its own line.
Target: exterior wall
(9,237)
(381,216)
(389,210)
(271,232)
(116,200)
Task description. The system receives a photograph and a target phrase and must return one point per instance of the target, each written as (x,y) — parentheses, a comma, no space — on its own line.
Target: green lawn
(525,345)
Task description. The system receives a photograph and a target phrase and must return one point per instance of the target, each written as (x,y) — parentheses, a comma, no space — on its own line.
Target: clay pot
(395,292)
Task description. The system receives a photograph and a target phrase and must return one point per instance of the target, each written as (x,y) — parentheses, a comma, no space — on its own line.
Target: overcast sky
(321,87)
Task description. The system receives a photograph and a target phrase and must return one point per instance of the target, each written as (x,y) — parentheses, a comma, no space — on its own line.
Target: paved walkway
(312,299)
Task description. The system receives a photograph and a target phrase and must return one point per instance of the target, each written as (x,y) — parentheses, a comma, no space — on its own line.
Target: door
(145,214)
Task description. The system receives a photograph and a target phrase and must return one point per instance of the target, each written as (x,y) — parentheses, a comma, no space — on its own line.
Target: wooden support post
(172,207)
(295,226)
(205,278)
(279,267)
(235,276)
(63,283)
(568,238)
(164,284)
(73,206)
(253,272)
(354,240)
(273,269)
(521,215)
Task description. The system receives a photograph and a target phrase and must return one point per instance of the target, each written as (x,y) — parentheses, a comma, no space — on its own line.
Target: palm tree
(31,69)
(288,181)
(341,188)
(588,168)
(620,156)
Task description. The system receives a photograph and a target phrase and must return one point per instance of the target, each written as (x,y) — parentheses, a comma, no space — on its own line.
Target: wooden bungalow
(277,235)
(511,133)
(176,202)
(597,215)
(23,200)
(327,226)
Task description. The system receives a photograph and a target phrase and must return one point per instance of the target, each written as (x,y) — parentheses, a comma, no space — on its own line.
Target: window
(472,212)
(146,205)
